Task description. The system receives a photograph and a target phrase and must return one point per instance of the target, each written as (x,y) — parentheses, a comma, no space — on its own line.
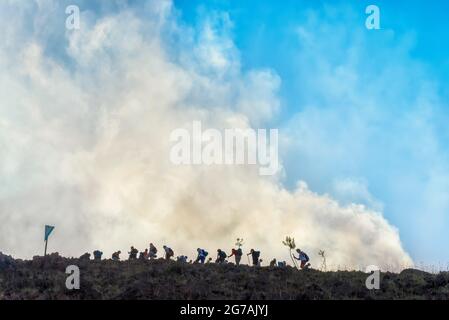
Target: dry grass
(44,278)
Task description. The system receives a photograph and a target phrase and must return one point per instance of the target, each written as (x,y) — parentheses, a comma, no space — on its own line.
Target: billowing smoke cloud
(85,120)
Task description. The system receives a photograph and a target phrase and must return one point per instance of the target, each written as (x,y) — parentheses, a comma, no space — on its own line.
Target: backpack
(98,253)
(170,252)
(205,253)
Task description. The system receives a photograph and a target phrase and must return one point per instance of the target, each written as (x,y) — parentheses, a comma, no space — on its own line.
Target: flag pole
(48,230)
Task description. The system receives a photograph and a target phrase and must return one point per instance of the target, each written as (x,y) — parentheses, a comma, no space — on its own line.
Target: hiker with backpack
(153,251)
(133,253)
(221,256)
(116,255)
(255,257)
(144,255)
(97,255)
(202,254)
(168,252)
(304,258)
(85,256)
(282,264)
(237,253)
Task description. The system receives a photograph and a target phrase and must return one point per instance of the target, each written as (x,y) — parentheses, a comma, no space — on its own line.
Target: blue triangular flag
(48,230)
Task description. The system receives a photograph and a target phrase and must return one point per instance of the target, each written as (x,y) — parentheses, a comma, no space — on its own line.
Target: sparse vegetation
(44,278)
(290,243)
(322,254)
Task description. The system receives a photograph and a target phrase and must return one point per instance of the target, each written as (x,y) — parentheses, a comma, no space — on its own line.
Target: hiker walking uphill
(237,253)
(133,253)
(221,256)
(116,255)
(153,251)
(97,254)
(304,258)
(255,257)
(168,253)
(144,255)
(202,254)
(85,256)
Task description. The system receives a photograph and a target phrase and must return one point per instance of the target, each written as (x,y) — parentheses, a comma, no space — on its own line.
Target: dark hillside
(44,278)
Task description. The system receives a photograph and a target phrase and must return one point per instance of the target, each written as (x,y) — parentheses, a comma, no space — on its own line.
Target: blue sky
(368,108)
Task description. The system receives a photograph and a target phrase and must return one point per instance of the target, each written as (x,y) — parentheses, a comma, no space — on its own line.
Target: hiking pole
(45,250)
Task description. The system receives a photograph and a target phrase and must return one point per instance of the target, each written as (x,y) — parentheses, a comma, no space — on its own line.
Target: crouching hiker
(255,257)
(221,256)
(144,255)
(304,258)
(116,255)
(237,253)
(202,254)
(282,264)
(182,259)
(97,254)
(168,253)
(153,251)
(85,256)
(133,253)
(273,263)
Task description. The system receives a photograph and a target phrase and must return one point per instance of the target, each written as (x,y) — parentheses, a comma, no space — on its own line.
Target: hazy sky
(85,117)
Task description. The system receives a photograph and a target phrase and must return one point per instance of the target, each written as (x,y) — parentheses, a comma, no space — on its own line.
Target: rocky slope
(44,278)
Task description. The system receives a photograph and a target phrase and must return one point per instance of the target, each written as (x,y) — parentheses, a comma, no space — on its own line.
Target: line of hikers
(151,253)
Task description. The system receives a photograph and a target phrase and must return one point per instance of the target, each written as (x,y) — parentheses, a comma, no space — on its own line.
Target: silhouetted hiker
(133,253)
(209,261)
(144,255)
(153,251)
(202,254)
(168,253)
(304,258)
(116,255)
(85,256)
(221,256)
(237,253)
(8,262)
(97,255)
(255,256)
(273,263)
(181,259)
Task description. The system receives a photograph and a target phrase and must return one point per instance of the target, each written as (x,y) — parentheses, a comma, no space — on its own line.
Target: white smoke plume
(84,143)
